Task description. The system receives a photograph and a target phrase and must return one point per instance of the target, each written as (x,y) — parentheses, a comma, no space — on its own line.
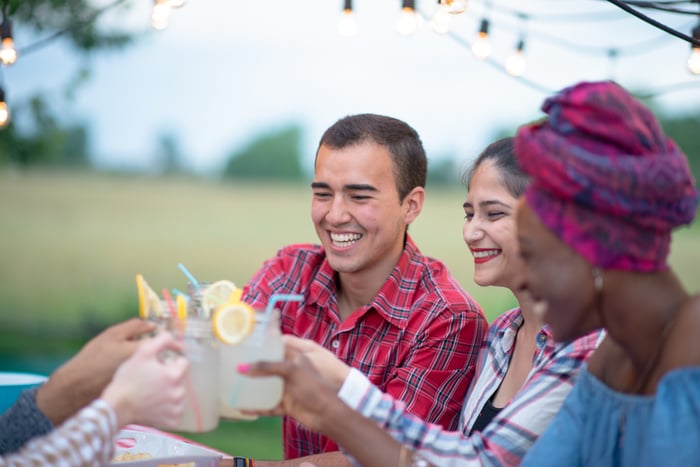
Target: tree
(48,144)
(443,172)
(74,20)
(43,140)
(275,155)
(685,130)
(169,156)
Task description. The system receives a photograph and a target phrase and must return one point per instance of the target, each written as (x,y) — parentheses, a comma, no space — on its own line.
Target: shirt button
(335,344)
(541,339)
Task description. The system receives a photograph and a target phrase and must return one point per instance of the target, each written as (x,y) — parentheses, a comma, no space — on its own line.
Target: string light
(440,20)
(454,7)
(694,60)
(4,110)
(515,63)
(409,21)
(346,24)
(482,46)
(8,54)
(160,15)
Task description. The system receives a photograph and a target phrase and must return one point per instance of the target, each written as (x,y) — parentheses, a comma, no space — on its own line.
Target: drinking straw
(180,292)
(271,306)
(195,405)
(169,301)
(188,275)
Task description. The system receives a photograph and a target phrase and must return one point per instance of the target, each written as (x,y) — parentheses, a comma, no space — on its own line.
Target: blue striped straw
(189,275)
(180,292)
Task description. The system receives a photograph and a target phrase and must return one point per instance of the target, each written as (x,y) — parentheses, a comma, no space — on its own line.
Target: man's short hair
(402,141)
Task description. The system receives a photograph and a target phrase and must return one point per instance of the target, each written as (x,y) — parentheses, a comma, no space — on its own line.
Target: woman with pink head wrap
(607,188)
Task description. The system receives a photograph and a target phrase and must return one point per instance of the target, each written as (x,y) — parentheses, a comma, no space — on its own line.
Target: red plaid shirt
(418,340)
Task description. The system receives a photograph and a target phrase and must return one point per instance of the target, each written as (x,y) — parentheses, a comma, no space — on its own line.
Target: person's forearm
(57,400)
(328,459)
(361,437)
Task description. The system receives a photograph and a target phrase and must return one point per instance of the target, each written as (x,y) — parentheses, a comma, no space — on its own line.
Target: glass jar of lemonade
(202,352)
(238,392)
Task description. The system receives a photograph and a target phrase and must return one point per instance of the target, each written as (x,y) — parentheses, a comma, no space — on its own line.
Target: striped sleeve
(509,435)
(84,440)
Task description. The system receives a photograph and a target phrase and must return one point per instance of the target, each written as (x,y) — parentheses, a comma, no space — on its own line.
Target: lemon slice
(217,294)
(232,322)
(149,301)
(181,305)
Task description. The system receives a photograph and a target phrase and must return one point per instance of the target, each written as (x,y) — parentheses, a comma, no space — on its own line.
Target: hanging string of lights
(410,20)
(515,63)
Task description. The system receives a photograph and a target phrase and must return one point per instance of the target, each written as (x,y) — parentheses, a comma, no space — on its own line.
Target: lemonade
(237,392)
(201,403)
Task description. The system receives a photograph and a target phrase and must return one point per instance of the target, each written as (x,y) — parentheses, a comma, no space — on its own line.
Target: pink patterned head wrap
(605,179)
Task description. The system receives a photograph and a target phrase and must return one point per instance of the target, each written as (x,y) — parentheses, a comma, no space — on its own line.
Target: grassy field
(71,244)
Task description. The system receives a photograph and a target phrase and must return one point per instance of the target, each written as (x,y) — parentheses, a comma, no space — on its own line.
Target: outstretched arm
(313,401)
(146,389)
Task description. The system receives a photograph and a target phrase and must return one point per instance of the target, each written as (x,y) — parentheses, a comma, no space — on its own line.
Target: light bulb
(160,14)
(515,64)
(454,7)
(347,26)
(409,21)
(481,46)
(694,61)
(441,20)
(8,54)
(4,110)
(4,115)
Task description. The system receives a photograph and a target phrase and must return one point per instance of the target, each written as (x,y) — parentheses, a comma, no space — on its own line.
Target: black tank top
(485,417)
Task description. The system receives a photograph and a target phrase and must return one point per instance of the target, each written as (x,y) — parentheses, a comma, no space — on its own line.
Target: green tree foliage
(443,172)
(272,156)
(75,20)
(169,155)
(48,144)
(685,130)
(42,140)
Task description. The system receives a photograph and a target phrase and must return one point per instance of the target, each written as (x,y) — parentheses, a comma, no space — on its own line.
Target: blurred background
(143,133)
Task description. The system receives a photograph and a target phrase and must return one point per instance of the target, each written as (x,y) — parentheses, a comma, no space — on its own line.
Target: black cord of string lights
(34,46)
(612,53)
(647,19)
(664,6)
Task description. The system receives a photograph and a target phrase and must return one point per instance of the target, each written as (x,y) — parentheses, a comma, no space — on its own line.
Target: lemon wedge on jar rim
(149,301)
(232,322)
(217,294)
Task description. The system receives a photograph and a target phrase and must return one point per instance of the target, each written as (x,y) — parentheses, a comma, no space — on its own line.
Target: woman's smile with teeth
(485,253)
(344,240)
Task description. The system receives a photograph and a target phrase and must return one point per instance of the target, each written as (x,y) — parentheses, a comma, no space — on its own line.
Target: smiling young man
(370,296)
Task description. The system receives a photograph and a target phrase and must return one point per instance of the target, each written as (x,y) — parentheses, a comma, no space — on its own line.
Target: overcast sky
(226,70)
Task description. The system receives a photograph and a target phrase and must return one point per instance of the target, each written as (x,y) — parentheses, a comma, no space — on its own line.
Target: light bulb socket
(2,95)
(484,28)
(520,46)
(695,33)
(6,29)
(408,4)
(347,5)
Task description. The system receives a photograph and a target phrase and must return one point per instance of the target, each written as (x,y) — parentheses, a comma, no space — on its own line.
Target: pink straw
(169,301)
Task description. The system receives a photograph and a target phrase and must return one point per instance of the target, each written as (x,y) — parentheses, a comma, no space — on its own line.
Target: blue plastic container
(13,383)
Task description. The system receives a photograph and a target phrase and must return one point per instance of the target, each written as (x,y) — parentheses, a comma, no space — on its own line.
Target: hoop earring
(597,279)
